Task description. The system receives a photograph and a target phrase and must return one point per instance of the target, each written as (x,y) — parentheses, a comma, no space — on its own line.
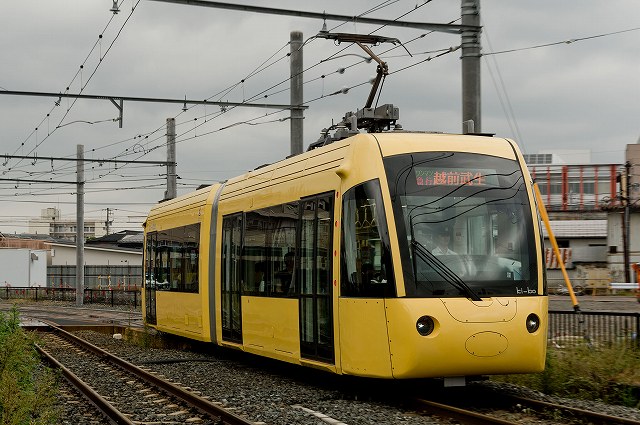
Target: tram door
(315,259)
(231,278)
(149,280)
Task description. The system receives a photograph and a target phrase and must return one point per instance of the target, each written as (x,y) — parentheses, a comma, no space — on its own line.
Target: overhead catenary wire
(254,72)
(559,43)
(191,121)
(503,94)
(68,85)
(262,93)
(86,82)
(249,122)
(220,94)
(519,137)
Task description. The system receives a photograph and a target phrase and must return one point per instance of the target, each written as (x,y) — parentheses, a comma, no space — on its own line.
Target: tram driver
(459,264)
(443,237)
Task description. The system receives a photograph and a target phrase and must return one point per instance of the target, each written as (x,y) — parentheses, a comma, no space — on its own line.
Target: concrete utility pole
(172,184)
(627,220)
(107,224)
(80,227)
(471,104)
(297,98)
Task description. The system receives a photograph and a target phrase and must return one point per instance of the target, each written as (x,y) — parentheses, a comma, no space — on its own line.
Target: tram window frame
(174,259)
(264,268)
(505,277)
(270,236)
(365,273)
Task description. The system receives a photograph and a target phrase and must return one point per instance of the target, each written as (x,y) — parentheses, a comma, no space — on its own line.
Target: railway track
(155,404)
(125,393)
(528,411)
(572,413)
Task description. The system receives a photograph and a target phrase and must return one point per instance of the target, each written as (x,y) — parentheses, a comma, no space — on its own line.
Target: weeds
(610,374)
(28,391)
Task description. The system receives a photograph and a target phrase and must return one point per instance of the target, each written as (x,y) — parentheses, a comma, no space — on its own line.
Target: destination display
(455,177)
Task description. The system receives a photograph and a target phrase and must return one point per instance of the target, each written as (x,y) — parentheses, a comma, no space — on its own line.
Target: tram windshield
(464,225)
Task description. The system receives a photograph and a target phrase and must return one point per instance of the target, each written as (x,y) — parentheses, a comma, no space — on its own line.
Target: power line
(247,122)
(507,108)
(569,41)
(253,73)
(82,86)
(340,71)
(341,91)
(73,202)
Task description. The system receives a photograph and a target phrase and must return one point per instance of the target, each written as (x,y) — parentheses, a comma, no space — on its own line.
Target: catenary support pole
(627,221)
(297,98)
(470,47)
(80,227)
(172,190)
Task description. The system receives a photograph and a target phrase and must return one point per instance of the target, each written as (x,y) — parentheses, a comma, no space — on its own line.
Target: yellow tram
(388,254)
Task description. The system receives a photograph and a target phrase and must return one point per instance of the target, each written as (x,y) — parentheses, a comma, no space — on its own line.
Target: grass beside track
(28,391)
(610,374)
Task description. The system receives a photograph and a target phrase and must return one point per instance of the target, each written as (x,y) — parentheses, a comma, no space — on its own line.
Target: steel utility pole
(172,189)
(80,227)
(297,98)
(471,111)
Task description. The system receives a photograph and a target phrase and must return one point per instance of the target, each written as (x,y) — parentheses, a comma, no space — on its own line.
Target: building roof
(577,229)
(137,238)
(124,239)
(112,248)
(113,238)
(31,236)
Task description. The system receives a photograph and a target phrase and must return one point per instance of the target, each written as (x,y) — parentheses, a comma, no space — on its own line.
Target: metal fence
(107,297)
(97,277)
(599,327)
(565,327)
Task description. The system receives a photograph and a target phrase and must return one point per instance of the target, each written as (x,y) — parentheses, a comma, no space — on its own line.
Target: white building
(50,223)
(23,267)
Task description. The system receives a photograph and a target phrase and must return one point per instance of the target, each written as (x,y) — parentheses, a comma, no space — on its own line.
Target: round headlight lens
(533,323)
(425,325)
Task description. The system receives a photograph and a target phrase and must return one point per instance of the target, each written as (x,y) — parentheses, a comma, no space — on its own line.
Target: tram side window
(173,257)
(269,251)
(366,269)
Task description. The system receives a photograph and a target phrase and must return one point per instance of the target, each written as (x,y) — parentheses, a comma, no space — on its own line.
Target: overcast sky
(583,94)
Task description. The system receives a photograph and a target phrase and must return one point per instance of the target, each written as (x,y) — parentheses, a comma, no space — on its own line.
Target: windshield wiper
(442,270)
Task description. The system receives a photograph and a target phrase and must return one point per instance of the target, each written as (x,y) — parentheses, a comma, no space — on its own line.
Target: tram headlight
(425,325)
(533,323)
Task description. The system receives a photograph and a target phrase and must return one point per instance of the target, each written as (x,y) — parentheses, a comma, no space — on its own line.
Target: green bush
(28,391)
(610,374)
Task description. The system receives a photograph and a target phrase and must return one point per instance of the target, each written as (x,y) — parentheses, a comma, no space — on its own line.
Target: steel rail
(592,417)
(113,414)
(466,417)
(200,403)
